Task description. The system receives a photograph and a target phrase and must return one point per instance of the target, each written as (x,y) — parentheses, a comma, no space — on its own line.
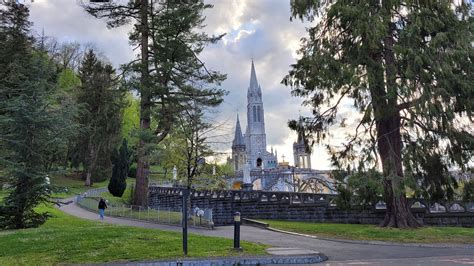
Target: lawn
(426,234)
(66,239)
(73,184)
(125,199)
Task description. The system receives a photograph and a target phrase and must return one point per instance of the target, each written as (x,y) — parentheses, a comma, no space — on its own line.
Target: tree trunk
(389,144)
(89,166)
(383,89)
(141,186)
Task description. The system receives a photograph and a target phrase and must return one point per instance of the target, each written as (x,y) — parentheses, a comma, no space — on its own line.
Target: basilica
(251,148)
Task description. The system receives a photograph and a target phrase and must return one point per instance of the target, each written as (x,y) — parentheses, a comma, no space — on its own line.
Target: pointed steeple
(238,137)
(301,136)
(253,78)
(254,88)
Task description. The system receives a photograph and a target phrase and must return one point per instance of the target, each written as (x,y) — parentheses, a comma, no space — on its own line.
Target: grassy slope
(74,185)
(371,232)
(68,239)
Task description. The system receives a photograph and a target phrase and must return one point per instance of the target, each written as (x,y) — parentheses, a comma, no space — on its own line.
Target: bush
(359,189)
(367,188)
(343,198)
(132,172)
(468,191)
(121,162)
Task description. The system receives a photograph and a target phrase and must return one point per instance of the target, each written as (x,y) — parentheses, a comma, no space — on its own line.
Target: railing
(301,198)
(170,216)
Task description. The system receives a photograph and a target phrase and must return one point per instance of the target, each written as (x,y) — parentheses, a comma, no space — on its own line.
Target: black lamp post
(185,220)
(237,231)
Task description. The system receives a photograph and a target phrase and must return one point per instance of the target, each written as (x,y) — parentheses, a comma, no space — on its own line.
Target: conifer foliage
(168,72)
(121,162)
(100,111)
(27,119)
(407,67)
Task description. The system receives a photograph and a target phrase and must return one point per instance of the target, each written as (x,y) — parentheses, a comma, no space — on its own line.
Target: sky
(258,29)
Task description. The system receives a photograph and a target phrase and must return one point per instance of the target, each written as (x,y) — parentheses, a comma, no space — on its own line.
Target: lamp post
(237,231)
(185,220)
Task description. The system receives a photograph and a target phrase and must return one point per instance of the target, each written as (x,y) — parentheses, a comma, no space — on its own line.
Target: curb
(375,242)
(255,223)
(256,260)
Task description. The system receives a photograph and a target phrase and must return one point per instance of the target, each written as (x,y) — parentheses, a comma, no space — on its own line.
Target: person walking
(102,207)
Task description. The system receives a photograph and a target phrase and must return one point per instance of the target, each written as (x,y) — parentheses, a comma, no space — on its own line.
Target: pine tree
(407,67)
(121,162)
(99,118)
(27,121)
(168,72)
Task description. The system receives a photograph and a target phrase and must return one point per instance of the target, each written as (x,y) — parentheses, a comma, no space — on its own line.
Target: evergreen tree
(27,120)
(99,118)
(121,162)
(168,72)
(407,67)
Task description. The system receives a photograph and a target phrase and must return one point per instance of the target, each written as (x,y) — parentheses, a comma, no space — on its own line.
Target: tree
(121,162)
(407,66)
(99,118)
(168,72)
(468,191)
(131,119)
(193,133)
(28,122)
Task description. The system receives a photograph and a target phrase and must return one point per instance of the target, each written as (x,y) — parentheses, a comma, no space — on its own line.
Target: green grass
(66,239)
(125,199)
(426,234)
(74,185)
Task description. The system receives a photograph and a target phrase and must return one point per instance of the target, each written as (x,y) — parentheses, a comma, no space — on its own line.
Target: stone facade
(299,207)
(301,155)
(252,147)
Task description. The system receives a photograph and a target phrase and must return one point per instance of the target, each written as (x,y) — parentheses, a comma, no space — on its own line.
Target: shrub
(468,191)
(121,162)
(132,172)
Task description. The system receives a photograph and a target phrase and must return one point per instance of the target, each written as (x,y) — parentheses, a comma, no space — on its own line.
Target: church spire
(254,88)
(238,137)
(253,78)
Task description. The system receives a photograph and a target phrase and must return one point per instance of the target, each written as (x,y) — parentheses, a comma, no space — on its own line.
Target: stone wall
(300,207)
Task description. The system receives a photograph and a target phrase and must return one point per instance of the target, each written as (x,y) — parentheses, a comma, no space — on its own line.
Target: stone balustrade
(304,207)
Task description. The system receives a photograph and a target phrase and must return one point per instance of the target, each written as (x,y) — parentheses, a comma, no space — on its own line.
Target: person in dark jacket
(102,207)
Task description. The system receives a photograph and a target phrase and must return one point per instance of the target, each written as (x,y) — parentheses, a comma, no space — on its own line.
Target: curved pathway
(337,252)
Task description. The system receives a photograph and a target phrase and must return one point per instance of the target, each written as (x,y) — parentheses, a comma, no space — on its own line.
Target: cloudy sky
(258,29)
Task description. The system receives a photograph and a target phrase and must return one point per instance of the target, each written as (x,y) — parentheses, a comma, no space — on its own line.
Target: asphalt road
(339,253)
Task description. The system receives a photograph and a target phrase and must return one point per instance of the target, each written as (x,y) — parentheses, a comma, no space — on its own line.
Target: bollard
(237,231)
(185,221)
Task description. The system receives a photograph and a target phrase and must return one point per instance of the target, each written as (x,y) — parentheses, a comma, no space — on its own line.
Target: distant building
(266,171)
(252,147)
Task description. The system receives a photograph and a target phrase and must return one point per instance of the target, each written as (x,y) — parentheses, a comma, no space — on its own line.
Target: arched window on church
(255,114)
(258,114)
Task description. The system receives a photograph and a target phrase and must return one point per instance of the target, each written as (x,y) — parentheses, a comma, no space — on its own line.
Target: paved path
(337,252)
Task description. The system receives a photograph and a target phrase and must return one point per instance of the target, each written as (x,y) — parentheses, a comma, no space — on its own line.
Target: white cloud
(255,29)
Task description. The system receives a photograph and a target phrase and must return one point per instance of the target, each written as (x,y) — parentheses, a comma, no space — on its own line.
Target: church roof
(238,137)
(301,137)
(253,86)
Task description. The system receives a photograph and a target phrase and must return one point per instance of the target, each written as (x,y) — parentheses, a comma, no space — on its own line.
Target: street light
(237,231)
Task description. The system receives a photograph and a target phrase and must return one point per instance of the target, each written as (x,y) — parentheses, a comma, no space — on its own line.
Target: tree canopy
(168,72)
(406,67)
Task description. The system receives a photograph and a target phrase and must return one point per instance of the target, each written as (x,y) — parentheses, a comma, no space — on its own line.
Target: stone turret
(238,148)
(302,156)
